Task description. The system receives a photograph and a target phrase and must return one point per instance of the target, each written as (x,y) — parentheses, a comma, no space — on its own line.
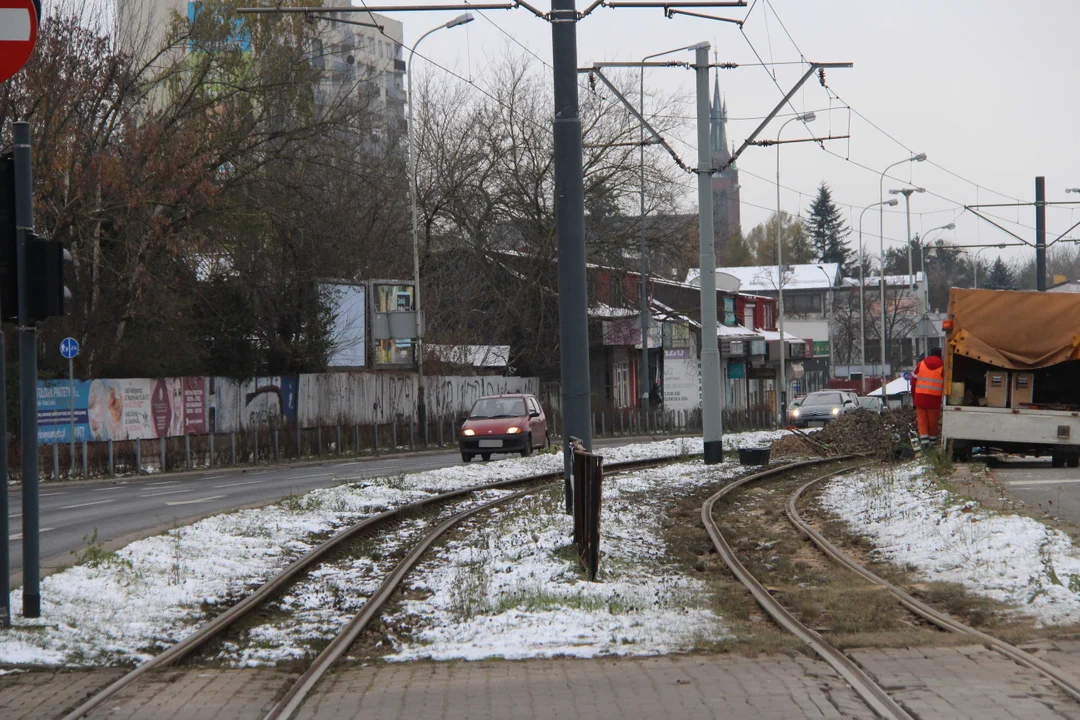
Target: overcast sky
(986,89)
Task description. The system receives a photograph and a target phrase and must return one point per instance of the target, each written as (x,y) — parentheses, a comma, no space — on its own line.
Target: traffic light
(45,261)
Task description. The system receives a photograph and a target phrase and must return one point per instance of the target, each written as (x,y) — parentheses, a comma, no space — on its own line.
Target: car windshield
(498,408)
(823,399)
(869,402)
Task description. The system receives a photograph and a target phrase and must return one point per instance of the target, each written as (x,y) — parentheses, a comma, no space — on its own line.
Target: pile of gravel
(859,433)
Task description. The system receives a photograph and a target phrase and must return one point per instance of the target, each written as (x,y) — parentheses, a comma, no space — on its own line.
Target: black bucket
(754,456)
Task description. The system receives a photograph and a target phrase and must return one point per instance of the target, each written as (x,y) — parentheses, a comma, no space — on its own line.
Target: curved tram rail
(337,647)
(867,688)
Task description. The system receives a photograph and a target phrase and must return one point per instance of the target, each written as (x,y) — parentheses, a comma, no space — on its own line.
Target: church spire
(718,120)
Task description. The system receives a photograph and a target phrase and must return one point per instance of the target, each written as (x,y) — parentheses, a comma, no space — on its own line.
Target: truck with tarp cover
(1012,374)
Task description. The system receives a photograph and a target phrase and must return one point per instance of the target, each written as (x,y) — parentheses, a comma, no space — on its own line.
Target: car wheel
(485,456)
(466,457)
(527,450)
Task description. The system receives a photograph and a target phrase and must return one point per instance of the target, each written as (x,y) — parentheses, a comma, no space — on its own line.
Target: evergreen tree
(739,252)
(1000,276)
(827,230)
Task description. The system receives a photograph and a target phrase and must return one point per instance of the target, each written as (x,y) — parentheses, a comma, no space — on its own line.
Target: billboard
(128,409)
(347,303)
(387,298)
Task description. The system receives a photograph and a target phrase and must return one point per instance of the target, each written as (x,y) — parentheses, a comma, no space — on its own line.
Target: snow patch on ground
(513,589)
(914,521)
(125,607)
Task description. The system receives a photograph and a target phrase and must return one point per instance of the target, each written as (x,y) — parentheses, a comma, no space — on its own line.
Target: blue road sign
(69,347)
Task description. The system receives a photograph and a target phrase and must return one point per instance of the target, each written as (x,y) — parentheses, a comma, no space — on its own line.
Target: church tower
(725,185)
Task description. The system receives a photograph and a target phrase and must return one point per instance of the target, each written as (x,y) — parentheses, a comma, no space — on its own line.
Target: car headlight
(513,431)
(468,431)
(836,411)
(795,412)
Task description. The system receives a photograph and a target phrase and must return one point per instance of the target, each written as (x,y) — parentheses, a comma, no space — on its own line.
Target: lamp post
(975,278)
(421,405)
(782,387)
(892,202)
(925,300)
(644,381)
(881,239)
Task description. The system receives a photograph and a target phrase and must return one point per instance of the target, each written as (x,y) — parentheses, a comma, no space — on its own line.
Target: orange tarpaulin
(1015,330)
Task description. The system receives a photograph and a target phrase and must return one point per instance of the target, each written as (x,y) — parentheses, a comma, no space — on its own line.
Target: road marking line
(249,482)
(305,477)
(15,515)
(99,502)
(212,477)
(1064,481)
(170,482)
(167,492)
(18,536)
(192,502)
(118,487)
(51,494)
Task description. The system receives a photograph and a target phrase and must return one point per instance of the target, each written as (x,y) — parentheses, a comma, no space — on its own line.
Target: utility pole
(1040,233)
(711,389)
(24,225)
(570,232)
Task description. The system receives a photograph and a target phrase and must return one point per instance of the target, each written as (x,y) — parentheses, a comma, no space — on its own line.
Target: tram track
(872,693)
(247,608)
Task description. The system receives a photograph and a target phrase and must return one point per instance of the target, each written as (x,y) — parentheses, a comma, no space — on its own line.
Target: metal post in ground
(298,453)
(337,445)
(210,454)
(393,437)
(1040,234)
(603,424)
(24,223)
(138,457)
(440,433)
(255,455)
(710,351)
(111,465)
(5,560)
(318,441)
(161,451)
(232,441)
(84,472)
(356,438)
(187,451)
(276,456)
(412,426)
(375,438)
(56,462)
(570,233)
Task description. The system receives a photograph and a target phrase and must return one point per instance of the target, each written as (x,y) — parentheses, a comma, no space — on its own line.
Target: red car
(503,424)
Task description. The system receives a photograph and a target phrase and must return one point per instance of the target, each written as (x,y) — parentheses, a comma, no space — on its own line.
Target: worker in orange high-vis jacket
(927,389)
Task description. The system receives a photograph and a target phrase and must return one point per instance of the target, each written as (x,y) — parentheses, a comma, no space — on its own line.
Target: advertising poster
(128,409)
(682,380)
(388,298)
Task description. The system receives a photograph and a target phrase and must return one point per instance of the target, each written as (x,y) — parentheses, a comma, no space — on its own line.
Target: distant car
(873,404)
(503,424)
(792,407)
(821,407)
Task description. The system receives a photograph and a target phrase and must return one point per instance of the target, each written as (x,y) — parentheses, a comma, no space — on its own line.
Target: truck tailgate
(1049,427)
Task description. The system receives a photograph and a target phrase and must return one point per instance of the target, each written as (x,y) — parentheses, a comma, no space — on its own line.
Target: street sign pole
(69,348)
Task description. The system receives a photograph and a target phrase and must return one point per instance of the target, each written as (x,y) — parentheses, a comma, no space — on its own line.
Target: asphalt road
(122,510)
(1039,485)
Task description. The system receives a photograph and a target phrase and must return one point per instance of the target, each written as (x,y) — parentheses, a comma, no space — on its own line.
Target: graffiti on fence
(355,397)
(454,396)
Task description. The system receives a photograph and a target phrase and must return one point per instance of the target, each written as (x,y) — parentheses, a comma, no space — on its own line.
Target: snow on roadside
(511,587)
(128,605)
(913,521)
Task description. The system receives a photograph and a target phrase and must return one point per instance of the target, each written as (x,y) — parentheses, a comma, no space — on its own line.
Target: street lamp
(975,278)
(421,405)
(922,266)
(782,388)
(881,239)
(644,382)
(892,202)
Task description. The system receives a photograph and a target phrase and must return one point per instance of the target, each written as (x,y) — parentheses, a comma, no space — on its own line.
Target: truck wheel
(1072,460)
(960,451)
(1057,460)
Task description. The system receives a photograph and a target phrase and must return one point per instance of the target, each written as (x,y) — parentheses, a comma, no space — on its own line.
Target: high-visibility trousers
(929,424)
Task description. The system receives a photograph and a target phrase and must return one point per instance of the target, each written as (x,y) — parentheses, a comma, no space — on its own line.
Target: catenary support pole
(5,560)
(1040,234)
(24,222)
(710,351)
(570,233)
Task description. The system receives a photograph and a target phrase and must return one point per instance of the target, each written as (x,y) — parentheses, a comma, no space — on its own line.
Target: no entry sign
(18,31)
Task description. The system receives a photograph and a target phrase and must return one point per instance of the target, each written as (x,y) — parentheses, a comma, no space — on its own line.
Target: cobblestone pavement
(952,682)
